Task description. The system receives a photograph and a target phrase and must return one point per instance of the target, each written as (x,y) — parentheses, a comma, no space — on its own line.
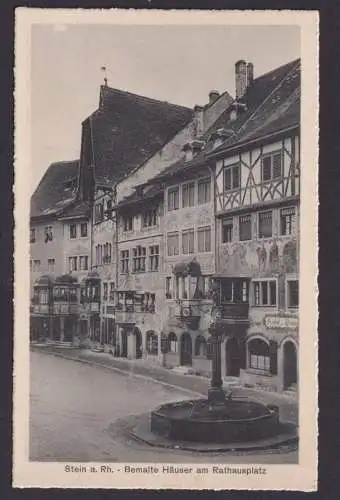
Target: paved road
(73,405)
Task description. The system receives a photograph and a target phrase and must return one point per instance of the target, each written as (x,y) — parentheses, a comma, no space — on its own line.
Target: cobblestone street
(78,413)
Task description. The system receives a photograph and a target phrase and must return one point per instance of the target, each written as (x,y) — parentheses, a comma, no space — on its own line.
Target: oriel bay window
(154,258)
(188,241)
(232,177)
(271,166)
(173,199)
(234,291)
(173,244)
(245,227)
(265,293)
(204,239)
(138,259)
(287,221)
(204,191)
(188,194)
(265,224)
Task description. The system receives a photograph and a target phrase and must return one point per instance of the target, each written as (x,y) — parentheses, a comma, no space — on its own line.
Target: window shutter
(277,166)
(266,168)
(273,357)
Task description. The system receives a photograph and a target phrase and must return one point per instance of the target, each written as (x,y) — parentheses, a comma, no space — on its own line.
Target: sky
(178,64)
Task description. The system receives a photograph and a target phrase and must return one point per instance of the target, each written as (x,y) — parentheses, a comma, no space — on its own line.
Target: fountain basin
(230,421)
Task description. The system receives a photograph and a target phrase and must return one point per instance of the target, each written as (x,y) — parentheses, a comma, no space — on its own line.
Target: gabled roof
(128,129)
(77,209)
(56,190)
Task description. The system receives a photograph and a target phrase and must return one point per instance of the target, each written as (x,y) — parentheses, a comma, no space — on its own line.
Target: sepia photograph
(169,222)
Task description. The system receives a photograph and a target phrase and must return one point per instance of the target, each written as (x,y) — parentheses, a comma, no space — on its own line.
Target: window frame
(171,190)
(260,282)
(204,230)
(33,235)
(73,259)
(205,181)
(271,155)
(73,226)
(288,281)
(263,212)
(127,223)
(124,261)
(188,232)
(82,225)
(149,218)
(188,189)
(224,224)
(248,215)
(230,168)
(153,257)
(173,234)
(49,262)
(293,215)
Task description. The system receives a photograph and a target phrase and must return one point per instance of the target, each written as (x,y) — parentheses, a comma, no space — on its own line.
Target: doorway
(124,339)
(139,352)
(232,357)
(186,350)
(289,364)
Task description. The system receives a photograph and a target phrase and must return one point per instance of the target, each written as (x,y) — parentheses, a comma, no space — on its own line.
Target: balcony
(63,308)
(234,313)
(41,309)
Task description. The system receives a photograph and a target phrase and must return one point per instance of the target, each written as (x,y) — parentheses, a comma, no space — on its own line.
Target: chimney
(213,96)
(244,77)
(198,121)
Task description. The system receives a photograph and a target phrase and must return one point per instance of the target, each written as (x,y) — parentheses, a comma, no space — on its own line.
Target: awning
(191,268)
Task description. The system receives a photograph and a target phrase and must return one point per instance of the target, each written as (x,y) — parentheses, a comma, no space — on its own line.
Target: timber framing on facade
(174,218)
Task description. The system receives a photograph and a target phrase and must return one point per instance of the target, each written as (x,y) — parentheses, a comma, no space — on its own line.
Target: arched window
(173,342)
(200,346)
(152,343)
(259,355)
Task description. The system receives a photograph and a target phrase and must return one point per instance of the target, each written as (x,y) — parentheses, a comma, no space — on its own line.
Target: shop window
(154,258)
(138,259)
(264,293)
(232,178)
(83,229)
(51,265)
(149,218)
(200,346)
(173,199)
(188,241)
(32,235)
(124,261)
(204,191)
(48,233)
(259,355)
(127,223)
(152,343)
(287,221)
(173,244)
(245,227)
(188,195)
(293,293)
(204,239)
(272,166)
(265,224)
(173,343)
(227,230)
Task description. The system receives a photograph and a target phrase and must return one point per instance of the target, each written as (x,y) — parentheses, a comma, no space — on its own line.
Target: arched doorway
(289,364)
(186,350)
(233,358)
(138,343)
(124,345)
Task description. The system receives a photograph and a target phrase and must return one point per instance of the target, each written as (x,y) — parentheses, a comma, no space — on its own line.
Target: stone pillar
(62,328)
(215,391)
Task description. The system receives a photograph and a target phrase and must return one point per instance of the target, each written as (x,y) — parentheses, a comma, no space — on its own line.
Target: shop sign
(285,322)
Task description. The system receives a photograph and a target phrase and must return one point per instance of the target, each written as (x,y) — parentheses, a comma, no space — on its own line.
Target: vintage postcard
(166,198)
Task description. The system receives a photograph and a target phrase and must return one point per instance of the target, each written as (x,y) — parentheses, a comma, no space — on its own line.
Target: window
(107,253)
(188,241)
(109,209)
(124,261)
(245,227)
(227,230)
(173,199)
(287,221)
(152,343)
(200,346)
(168,287)
(204,239)
(272,166)
(98,212)
(259,355)
(173,244)
(73,231)
(112,291)
(188,195)
(99,255)
(204,191)
(31,265)
(51,265)
(36,265)
(203,287)
(138,259)
(83,229)
(127,223)
(154,258)
(48,233)
(149,218)
(44,296)
(234,290)
(293,293)
(32,235)
(265,224)
(264,293)
(105,290)
(173,343)
(72,264)
(83,263)
(232,177)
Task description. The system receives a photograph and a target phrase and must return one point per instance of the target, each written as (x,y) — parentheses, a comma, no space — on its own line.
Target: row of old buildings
(172,219)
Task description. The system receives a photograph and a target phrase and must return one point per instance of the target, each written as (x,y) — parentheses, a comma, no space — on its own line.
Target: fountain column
(215,391)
